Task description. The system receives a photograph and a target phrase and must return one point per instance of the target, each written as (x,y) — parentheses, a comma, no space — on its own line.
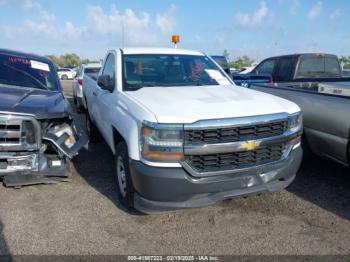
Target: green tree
(71,60)
(226,54)
(345,62)
(240,62)
(56,60)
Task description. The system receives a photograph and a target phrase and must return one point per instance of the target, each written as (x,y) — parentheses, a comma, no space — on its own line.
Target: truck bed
(326,108)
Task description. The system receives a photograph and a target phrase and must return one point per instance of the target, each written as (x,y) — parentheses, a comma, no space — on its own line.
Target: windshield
(320,66)
(170,70)
(221,60)
(23,72)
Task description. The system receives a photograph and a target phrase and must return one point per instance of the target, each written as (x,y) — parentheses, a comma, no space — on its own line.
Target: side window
(285,69)
(109,68)
(266,67)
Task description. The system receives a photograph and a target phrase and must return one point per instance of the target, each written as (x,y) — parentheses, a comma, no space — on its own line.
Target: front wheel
(122,171)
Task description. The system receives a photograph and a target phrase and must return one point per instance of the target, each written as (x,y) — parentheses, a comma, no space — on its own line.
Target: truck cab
(300,67)
(183,135)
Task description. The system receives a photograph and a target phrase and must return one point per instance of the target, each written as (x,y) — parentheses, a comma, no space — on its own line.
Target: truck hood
(188,104)
(41,104)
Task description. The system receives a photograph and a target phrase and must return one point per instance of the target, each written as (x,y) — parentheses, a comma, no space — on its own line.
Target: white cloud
(166,22)
(113,27)
(294,7)
(335,14)
(33,6)
(315,11)
(134,29)
(254,19)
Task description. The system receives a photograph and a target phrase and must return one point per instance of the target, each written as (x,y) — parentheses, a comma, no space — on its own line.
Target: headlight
(161,142)
(65,129)
(28,133)
(296,122)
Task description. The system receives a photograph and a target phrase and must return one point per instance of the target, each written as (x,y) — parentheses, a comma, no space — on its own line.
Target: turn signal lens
(162,142)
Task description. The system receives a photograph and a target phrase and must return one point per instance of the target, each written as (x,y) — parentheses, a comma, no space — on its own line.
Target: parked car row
(66,73)
(91,69)
(182,133)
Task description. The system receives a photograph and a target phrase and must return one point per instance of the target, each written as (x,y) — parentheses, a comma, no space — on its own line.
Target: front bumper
(21,169)
(161,189)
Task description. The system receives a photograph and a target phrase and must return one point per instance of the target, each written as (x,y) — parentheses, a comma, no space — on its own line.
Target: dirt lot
(82,217)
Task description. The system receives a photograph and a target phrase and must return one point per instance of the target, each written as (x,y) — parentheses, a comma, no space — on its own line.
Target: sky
(256,28)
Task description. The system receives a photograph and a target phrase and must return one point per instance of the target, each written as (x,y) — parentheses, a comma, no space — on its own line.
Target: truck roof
(26,55)
(302,54)
(173,51)
(92,65)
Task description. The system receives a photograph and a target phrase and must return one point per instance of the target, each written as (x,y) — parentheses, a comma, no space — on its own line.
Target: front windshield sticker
(19,60)
(217,76)
(39,65)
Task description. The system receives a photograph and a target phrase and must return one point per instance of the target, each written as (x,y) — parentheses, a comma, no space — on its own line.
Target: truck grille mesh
(236,160)
(235,134)
(10,134)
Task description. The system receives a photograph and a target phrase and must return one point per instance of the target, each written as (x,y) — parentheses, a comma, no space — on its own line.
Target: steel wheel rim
(121,176)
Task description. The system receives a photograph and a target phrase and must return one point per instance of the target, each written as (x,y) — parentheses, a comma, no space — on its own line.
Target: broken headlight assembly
(66,132)
(63,136)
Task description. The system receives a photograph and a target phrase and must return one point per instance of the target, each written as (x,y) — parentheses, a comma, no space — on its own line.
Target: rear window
(24,72)
(266,67)
(285,69)
(92,70)
(318,66)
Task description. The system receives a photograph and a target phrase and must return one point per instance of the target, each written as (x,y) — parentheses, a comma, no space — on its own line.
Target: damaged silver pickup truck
(38,135)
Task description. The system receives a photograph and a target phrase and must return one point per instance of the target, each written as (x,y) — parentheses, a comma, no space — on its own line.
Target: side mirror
(105,82)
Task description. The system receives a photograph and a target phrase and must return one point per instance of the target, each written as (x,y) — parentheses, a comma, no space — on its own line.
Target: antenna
(123,34)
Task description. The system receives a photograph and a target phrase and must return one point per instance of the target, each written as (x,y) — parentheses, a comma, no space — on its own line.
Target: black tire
(64,77)
(80,108)
(124,182)
(92,131)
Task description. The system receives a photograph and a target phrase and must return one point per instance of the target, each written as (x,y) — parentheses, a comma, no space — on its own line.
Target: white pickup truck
(183,135)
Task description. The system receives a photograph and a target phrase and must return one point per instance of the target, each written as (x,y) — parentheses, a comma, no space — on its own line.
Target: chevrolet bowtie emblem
(250,145)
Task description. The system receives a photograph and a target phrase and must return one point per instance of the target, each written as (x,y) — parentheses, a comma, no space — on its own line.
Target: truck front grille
(10,134)
(235,134)
(19,133)
(236,160)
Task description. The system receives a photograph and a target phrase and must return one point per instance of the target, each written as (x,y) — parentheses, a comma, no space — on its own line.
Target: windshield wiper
(41,85)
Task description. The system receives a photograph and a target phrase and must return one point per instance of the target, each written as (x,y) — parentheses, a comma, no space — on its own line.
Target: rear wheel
(122,171)
(64,77)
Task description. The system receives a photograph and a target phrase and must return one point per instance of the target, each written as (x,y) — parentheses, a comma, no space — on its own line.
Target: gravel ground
(83,216)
